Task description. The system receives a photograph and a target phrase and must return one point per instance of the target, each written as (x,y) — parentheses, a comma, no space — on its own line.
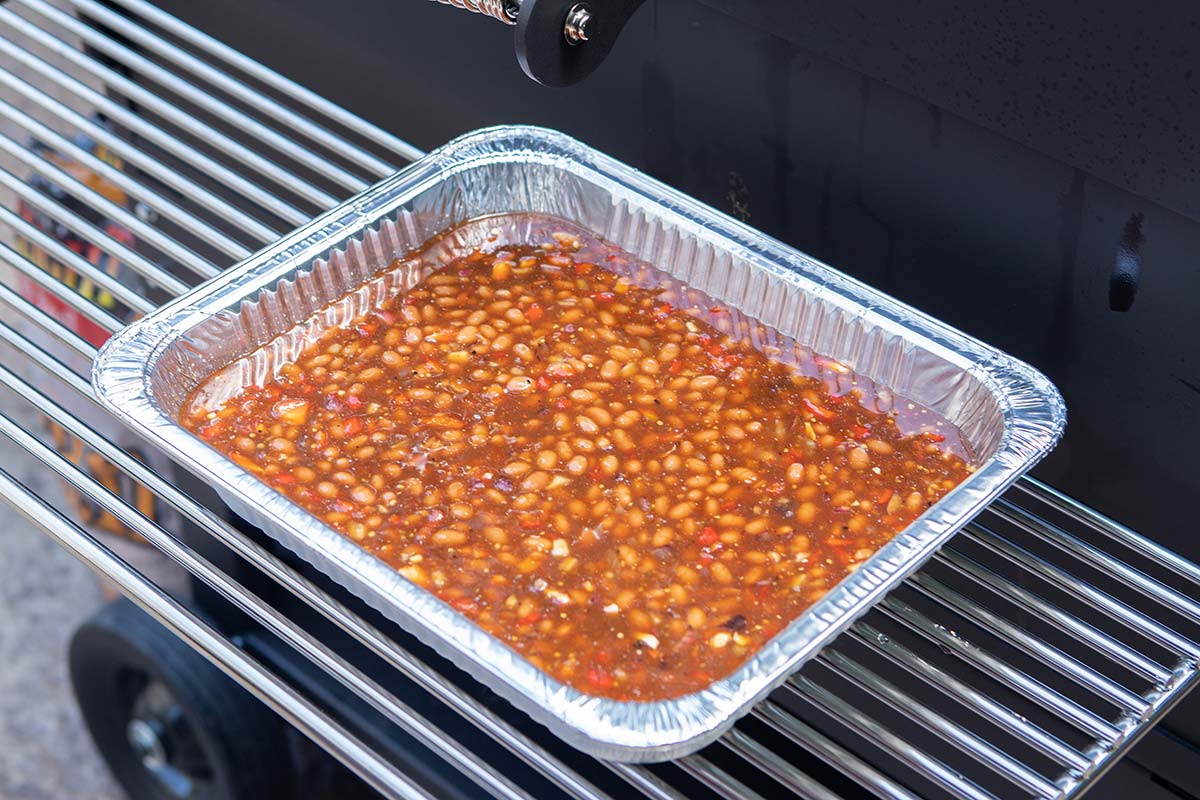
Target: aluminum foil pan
(1009,414)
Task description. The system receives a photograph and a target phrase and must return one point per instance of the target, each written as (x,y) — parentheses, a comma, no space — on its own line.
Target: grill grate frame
(951,687)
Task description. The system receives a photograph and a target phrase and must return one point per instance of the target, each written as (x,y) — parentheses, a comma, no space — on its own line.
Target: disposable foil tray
(329,271)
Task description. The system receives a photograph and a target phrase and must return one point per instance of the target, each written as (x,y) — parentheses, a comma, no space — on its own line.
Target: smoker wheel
(169,724)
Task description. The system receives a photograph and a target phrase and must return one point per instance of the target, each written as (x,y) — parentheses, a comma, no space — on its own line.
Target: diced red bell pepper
(535,312)
(600,678)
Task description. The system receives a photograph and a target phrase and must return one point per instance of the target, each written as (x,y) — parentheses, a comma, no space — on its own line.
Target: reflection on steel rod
(969,697)
(271,78)
(81,227)
(1102,601)
(44,279)
(917,760)
(151,235)
(1050,655)
(235,88)
(173,83)
(716,778)
(1110,528)
(47,323)
(945,729)
(169,112)
(1067,709)
(1133,578)
(150,132)
(72,260)
(141,159)
(775,765)
(121,179)
(830,752)
(1073,626)
(258,680)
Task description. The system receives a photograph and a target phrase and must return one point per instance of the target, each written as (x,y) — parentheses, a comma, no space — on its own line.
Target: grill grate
(1024,660)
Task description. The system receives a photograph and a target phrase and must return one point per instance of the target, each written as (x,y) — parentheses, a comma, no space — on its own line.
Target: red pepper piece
(676,367)
(819,411)
(935,437)
(600,678)
(285,479)
(532,522)
(584,268)
(353,402)
(860,431)
(707,536)
(535,312)
(529,618)
(542,383)
(604,298)
(882,496)
(353,426)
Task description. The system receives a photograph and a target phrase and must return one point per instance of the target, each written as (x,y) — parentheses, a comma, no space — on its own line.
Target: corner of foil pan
(120,368)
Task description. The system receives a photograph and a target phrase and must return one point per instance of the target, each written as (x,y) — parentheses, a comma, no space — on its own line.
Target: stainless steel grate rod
(970,698)
(200,98)
(235,88)
(153,134)
(284,178)
(152,166)
(249,66)
(159,203)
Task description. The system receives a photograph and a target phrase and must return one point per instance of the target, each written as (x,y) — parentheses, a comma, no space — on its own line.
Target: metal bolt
(146,744)
(575,28)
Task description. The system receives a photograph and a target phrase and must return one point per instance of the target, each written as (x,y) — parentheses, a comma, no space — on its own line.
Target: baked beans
(629,498)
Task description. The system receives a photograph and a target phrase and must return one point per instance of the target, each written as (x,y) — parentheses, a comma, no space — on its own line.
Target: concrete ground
(45,753)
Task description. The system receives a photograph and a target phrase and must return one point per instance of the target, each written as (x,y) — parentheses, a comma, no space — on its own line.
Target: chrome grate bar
(1000,670)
